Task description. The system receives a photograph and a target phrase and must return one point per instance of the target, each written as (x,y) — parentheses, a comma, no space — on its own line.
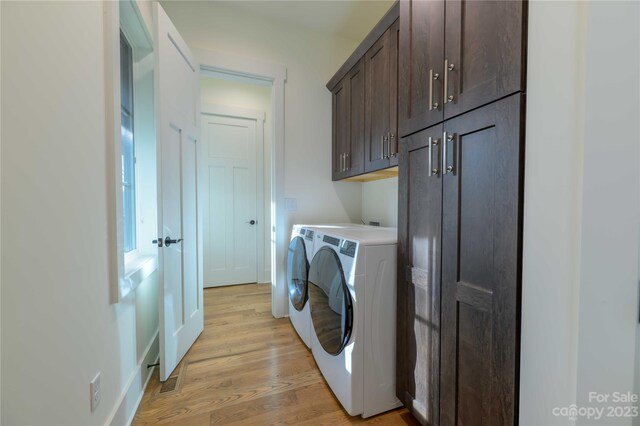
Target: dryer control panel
(348,248)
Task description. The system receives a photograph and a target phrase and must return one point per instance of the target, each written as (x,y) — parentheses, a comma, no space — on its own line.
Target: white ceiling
(351,19)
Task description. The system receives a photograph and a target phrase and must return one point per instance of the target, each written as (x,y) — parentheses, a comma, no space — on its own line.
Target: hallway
(247,368)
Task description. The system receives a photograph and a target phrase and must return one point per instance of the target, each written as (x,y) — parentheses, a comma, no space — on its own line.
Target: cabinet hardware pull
(384,140)
(433,171)
(388,152)
(452,168)
(432,76)
(447,68)
(386,145)
(430,155)
(395,147)
(430,89)
(347,168)
(444,153)
(344,162)
(445,140)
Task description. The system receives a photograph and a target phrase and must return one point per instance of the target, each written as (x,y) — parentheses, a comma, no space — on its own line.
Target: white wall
(58,328)
(552,210)
(580,266)
(610,204)
(311,59)
(218,91)
(380,202)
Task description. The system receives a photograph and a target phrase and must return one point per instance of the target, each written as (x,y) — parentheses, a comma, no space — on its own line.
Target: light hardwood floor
(247,368)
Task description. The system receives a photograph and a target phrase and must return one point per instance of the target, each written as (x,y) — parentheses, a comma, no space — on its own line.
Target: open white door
(177,106)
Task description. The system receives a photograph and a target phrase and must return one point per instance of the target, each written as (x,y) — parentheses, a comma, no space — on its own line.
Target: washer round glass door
(297,272)
(331,306)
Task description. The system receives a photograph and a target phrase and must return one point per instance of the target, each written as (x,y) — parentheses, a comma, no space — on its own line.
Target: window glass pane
(128,148)
(126,68)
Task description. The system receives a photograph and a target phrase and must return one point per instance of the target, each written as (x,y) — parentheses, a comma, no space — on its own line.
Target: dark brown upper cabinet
(457,55)
(421,59)
(381,133)
(365,105)
(485,52)
(348,124)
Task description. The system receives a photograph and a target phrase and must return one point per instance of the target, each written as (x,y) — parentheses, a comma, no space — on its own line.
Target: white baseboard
(266,277)
(127,405)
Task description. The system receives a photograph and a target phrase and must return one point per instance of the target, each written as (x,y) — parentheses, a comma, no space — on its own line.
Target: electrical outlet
(95,392)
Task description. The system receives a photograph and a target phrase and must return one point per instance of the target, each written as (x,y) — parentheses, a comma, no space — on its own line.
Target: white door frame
(259,117)
(276,74)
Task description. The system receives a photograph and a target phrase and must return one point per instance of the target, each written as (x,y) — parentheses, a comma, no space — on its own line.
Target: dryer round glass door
(331,305)
(297,272)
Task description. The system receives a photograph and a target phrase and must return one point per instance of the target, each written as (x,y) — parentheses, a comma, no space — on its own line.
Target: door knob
(251,222)
(158,242)
(168,241)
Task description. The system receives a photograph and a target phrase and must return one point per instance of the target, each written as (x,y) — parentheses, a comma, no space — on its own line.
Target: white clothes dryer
(352,295)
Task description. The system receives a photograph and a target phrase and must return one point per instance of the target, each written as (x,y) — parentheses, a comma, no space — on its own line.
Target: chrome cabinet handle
(446,139)
(433,171)
(341,163)
(432,76)
(447,68)
(430,155)
(383,139)
(431,89)
(395,147)
(347,167)
(388,140)
(444,152)
(344,161)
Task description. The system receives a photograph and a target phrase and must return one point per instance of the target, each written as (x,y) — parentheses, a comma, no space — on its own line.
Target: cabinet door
(421,58)
(378,102)
(341,128)
(481,256)
(348,120)
(394,139)
(485,52)
(418,302)
(355,148)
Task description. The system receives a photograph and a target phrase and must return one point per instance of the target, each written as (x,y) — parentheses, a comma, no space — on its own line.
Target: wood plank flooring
(247,368)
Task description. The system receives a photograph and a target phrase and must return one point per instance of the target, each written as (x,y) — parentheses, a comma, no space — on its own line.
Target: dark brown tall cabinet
(462,117)
(481,246)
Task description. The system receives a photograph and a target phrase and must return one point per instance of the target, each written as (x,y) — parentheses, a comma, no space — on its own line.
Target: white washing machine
(352,295)
(300,253)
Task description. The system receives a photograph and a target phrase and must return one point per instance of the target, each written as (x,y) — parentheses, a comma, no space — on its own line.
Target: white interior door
(177,106)
(232,146)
